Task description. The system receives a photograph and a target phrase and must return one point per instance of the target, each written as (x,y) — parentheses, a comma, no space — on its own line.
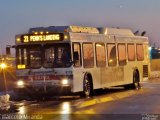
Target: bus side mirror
(8,50)
(75,56)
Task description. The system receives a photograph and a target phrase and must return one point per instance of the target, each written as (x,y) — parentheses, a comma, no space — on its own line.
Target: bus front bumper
(44,87)
(55,90)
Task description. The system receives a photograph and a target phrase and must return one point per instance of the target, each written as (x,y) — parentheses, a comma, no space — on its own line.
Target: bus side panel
(128,70)
(78,75)
(78,78)
(112,76)
(96,77)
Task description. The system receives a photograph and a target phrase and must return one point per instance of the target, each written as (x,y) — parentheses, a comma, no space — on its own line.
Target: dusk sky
(17,16)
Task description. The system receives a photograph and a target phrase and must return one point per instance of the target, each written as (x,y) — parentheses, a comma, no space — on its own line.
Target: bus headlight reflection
(65,108)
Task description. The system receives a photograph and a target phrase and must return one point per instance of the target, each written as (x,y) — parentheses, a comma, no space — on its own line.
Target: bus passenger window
(122,54)
(131,52)
(88,55)
(100,55)
(140,53)
(77,54)
(112,57)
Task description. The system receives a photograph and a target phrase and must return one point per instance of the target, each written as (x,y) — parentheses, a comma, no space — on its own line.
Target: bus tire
(87,86)
(136,80)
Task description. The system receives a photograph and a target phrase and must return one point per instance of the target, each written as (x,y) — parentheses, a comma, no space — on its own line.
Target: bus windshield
(57,55)
(47,56)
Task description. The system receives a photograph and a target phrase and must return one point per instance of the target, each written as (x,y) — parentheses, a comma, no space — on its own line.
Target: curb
(113,97)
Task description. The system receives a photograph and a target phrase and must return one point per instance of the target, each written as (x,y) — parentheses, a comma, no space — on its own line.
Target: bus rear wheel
(87,87)
(136,81)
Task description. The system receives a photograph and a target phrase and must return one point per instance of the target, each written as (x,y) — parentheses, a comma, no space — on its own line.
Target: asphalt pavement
(113,104)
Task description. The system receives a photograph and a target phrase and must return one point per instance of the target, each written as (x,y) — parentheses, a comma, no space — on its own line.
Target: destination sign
(42,38)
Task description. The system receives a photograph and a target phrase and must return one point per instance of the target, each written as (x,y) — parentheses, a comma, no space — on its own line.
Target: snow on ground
(154,74)
(4,101)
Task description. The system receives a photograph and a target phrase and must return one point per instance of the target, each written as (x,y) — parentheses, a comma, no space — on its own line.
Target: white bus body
(107,56)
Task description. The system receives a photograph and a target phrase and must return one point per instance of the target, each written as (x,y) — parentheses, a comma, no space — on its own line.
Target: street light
(3,66)
(150,48)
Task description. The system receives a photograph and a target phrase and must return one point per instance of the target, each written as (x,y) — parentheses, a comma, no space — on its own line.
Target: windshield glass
(34,57)
(48,56)
(57,55)
(30,56)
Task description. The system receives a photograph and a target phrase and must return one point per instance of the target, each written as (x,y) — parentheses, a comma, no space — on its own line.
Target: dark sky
(17,16)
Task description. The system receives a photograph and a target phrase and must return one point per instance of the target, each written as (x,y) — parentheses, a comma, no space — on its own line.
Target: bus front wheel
(87,87)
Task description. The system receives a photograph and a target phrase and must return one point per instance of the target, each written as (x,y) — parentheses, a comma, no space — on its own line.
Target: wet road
(115,104)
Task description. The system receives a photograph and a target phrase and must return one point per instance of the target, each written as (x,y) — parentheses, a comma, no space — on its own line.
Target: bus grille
(145,70)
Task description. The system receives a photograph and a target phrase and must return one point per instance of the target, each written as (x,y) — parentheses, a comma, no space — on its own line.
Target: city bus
(78,59)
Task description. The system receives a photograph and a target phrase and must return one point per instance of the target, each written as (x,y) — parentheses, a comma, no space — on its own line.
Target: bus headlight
(64,82)
(20,83)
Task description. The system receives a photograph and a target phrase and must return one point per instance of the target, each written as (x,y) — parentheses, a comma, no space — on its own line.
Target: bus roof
(116,31)
(83,29)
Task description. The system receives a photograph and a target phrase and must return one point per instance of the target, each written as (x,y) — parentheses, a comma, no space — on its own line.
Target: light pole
(3,66)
